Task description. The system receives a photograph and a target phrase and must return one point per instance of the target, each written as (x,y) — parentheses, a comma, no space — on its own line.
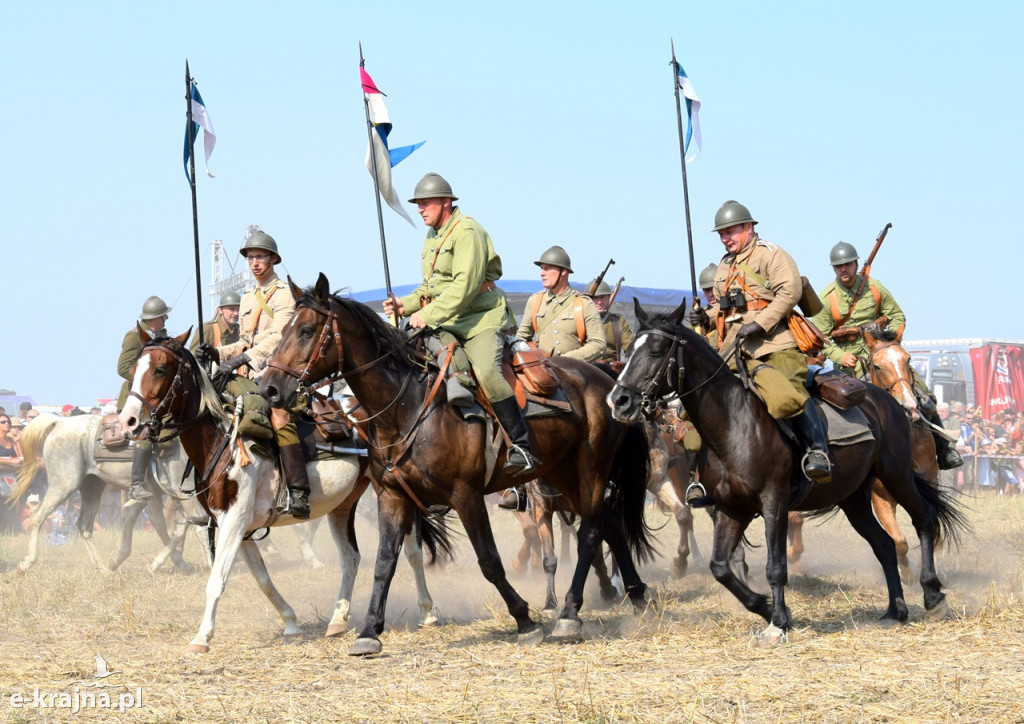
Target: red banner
(998,378)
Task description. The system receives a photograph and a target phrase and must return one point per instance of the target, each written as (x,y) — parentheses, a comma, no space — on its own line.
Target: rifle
(591,289)
(611,299)
(866,271)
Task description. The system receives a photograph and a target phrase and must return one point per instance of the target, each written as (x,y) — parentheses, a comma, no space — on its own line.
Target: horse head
(158,381)
(889,366)
(655,367)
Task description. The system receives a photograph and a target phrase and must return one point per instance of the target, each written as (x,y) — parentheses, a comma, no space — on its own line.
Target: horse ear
(676,318)
(144,336)
(296,289)
(641,315)
(182,338)
(322,288)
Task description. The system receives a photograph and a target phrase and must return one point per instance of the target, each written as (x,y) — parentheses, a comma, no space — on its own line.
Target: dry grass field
(692,656)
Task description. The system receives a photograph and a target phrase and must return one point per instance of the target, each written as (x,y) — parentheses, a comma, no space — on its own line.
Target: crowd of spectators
(992,448)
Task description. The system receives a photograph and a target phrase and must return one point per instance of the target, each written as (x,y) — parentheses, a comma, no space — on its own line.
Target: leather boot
(294,464)
(945,451)
(513,499)
(140,465)
(697,497)
(520,461)
(810,428)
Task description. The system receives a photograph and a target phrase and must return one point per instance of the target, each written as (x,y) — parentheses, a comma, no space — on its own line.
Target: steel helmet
(229,299)
(707,276)
(730,214)
(555,256)
(152,308)
(602,289)
(261,240)
(843,253)
(432,186)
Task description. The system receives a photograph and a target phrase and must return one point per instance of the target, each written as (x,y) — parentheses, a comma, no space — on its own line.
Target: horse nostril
(271,394)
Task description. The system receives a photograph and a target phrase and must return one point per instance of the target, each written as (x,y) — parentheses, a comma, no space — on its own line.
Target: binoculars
(733,301)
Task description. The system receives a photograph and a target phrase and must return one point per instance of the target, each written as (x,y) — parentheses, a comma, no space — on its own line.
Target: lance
(376,192)
(682,161)
(192,183)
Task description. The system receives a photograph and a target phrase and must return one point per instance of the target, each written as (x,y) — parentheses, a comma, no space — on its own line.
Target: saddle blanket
(845,427)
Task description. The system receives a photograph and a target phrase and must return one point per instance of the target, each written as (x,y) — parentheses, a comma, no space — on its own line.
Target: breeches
(482,353)
(779,378)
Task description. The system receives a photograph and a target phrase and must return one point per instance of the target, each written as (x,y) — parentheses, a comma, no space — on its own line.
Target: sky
(554,122)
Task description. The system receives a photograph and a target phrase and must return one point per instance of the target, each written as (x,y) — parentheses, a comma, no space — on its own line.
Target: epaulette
(766,244)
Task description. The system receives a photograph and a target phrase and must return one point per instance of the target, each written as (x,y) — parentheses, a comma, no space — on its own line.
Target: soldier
(757,284)
(224,327)
(850,302)
(618,335)
(459,301)
(264,311)
(151,325)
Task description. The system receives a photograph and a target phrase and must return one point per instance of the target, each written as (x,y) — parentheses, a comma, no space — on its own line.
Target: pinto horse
(423,453)
(238,487)
(751,469)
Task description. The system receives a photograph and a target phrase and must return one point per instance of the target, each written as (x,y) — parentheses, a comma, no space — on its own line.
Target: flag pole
(682,161)
(376,190)
(192,184)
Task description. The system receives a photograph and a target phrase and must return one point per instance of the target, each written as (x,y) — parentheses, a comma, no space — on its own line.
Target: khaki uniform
(771,284)
(131,347)
(618,337)
(218,332)
(865,311)
(556,333)
(458,296)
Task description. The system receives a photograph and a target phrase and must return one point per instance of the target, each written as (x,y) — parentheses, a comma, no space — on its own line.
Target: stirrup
(696,496)
(819,476)
(295,504)
(517,469)
(513,499)
(138,492)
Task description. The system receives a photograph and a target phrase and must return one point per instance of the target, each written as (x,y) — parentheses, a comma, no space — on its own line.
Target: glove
(206,353)
(750,332)
(697,317)
(227,368)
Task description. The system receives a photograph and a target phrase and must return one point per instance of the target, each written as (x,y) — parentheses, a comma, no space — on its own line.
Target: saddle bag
(808,338)
(532,368)
(330,420)
(110,433)
(839,389)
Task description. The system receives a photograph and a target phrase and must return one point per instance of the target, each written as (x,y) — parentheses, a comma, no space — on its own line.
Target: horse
(64,446)
(423,453)
(239,488)
(751,468)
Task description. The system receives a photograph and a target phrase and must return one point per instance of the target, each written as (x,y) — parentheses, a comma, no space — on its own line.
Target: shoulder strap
(262,301)
(536,308)
(617,332)
(577,313)
(833,306)
(878,299)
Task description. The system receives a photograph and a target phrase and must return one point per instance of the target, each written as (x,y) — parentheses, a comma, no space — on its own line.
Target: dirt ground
(692,656)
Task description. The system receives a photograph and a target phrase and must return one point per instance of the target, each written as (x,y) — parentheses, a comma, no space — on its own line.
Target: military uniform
(131,347)
(557,331)
(618,337)
(218,332)
(458,296)
(875,301)
(263,313)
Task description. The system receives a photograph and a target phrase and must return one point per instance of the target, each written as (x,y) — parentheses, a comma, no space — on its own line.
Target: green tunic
(217,332)
(131,347)
(612,353)
(865,311)
(556,330)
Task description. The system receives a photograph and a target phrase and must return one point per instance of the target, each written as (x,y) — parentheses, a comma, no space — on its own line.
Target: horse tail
(951,521)
(436,537)
(630,470)
(32,439)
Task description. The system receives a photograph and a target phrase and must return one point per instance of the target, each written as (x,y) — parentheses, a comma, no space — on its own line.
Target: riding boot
(945,451)
(294,464)
(140,465)
(520,461)
(513,498)
(697,497)
(810,428)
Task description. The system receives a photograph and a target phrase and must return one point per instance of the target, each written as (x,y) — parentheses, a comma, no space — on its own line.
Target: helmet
(229,299)
(261,240)
(730,214)
(152,308)
(842,253)
(432,186)
(602,289)
(707,276)
(555,256)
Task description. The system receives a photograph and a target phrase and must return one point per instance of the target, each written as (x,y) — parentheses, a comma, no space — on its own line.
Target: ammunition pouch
(838,389)
(330,420)
(110,433)
(846,334)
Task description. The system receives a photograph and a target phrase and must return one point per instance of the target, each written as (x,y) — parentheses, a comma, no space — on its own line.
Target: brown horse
(423,453)
(751,468)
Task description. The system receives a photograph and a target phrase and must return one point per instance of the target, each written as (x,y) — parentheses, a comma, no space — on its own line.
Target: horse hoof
(365,647)
(941,612)
(295,638)
(197,649)
(533,637)
(568,630)
(429,622)
(772,635)
(678,570)
(336,629)
(888,623)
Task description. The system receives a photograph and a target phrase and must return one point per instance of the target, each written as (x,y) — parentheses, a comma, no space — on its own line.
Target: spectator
(31,505)
(66,410)
(16,427)
(10,450)
(23,409)
(965,445)
(948,478)
(30,415)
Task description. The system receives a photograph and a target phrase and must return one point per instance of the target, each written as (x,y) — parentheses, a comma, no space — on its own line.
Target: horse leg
(231,526)
(305,532)
(542,518)
(129,515)
(612,532)
(50,502)
(413,549)
(341,523)
(522,559)
(795,533)
(251,552)
(727,536)
(155,511)
(569,627)
(174,549)
(776,521)
(858,511)
(666,495)
(609,591)
(884,506)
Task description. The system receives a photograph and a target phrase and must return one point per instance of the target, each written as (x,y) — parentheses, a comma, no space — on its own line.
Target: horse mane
(209,399)
(882,334)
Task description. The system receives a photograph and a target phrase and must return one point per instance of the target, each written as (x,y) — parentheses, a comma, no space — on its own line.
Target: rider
(224,327)
(618,334)
(849,303)
(151,325)
(757,284)
(264,310)
(459,301)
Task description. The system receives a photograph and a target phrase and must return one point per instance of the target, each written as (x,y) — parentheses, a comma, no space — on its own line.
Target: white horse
(64,446)
(241,488)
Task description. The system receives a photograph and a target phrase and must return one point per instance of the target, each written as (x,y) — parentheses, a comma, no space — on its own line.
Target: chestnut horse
(423,453)
(239,487)
(751,468)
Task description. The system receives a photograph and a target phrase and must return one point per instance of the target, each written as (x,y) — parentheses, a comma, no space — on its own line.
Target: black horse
(751,468)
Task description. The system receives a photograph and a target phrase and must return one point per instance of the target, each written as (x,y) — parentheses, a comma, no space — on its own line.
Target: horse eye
(306,331)
(160,370)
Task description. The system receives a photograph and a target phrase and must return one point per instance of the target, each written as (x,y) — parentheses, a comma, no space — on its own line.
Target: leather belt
(485,287)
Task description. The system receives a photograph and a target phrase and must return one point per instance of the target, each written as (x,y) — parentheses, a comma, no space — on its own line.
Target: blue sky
(554,122)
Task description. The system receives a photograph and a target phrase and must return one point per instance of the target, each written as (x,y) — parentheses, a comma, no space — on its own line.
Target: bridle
(876,377)
(159,413)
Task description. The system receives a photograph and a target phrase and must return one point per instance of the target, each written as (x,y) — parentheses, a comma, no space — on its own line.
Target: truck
(982,372)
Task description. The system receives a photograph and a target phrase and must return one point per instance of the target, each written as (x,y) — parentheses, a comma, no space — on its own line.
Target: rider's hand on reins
(750,332)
